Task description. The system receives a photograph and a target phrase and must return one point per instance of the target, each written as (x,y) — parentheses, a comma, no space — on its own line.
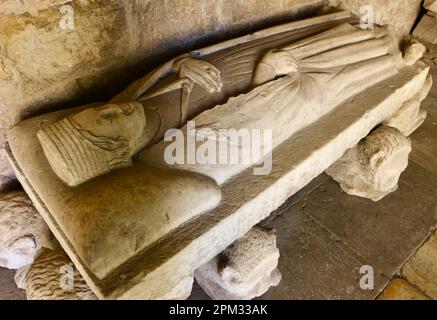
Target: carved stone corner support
(52,276)
(22,231)
(410,116)
(245,270)
(373,167)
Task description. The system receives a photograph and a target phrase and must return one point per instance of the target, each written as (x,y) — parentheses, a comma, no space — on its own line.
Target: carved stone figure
(286,96)
(245,270)
(122,212)
(372,168)
(22,231)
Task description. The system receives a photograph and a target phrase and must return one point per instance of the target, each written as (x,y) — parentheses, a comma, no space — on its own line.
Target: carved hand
(280,62)
(202,73)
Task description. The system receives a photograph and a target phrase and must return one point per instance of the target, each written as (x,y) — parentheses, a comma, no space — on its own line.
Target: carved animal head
(384,156)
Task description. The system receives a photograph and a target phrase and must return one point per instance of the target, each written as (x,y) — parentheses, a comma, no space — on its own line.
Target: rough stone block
(427,29)
(431,5)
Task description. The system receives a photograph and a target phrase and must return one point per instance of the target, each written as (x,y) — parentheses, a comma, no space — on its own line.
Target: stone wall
(399,15)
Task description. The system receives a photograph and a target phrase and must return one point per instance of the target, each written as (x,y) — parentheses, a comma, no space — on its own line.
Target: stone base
(217,292)
(245,270)
(372,168)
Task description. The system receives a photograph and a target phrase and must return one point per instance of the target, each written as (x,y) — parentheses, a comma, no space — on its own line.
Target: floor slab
(399,289)
(384,233)
(315,264)
(8,289)
(421,270)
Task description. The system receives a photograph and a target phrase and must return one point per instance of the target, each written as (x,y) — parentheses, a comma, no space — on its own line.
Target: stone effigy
(319,85)
(373,167)
(22,231)
(245,270)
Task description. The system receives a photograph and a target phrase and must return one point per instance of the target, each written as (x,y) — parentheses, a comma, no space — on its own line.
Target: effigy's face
(125,121)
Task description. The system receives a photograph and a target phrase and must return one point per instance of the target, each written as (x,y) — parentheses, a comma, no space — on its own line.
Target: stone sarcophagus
(136,216)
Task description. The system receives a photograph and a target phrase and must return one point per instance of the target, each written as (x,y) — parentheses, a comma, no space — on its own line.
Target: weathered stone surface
(7,174)
(410,116)
(421,269)
(399,289)
(427,29)
(431,5)
(20,277)
(413,51)
(182,291)
(372,168)
(52,276)
(399,15)
(245,270)
(22,231)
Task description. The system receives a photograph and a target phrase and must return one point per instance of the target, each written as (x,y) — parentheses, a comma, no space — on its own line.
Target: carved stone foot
(410,117)
(245,270)
(372,168)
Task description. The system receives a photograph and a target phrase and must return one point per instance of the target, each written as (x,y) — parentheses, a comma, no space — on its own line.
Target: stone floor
(326,236)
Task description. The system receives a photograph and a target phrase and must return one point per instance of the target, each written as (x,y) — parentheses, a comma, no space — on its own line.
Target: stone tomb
(134,225)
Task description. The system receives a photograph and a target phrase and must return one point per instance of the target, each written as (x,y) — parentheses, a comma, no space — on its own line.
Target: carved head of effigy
(384,156)
(95,141)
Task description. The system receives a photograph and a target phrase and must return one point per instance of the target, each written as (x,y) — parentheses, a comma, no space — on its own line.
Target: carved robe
(332,67)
